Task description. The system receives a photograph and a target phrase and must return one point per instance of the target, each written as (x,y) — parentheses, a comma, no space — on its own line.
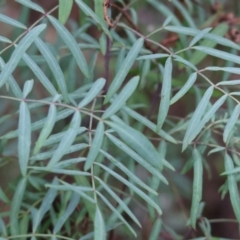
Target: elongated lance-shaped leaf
(6,40)
(165,94)
(157,227)
(207,117)
(216,35)
(12,82)
(231,123)
(199,36)
(185,62)
(17,54)
(95,146)
(15,206)
(69,210)
(124,69)
(137,158)
(40,75)
(229,83)
(191,80)
(67,140)
(197,186)
(54,66)
(27,88)
(197,115)
(144,196)
(64,10)
(138,142)
(31,5)
(225,69)
(123,96)
(148,124)
(153,56)
(217,149)
(58,136)
(219,54)
(93,92)
(99,226)
(129,173)
(232,186)
(120,202)
(89,12)
(116,212)
(24,137)
(98,9)
(72,45)
(11,21)
(49,154)
(47,128)
(45,205)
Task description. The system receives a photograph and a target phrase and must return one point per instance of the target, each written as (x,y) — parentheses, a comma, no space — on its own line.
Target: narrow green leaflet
(149,124)
(225,69)
(17,54)
(72,45)
(54,66)
(185,62)
(207,117)
(167,21)
(6,40)
(217,149)
(227,83)
(27,88)
(98,8)
(3,196)
(16,205)
(11,21)
(89,12)
(31,5)
(117,213)
(129,173)
(37,71)
(165,94)
(64,10)
(69,210)
(232,186)
(197,186)
(185,13)
(157,227)
(99,226)
(199,36)
(24,137)
(49,154)
(93,92)
(138,142)
(12,82)
(218,53)
(67,140)
(58,136)
(45,205)
(191,80)
(124,69)
(198,56)
(197,115)
(153,56)
(231,123)
(216,35)
(123,96)
(137,158)
(95,146)
(120,201)
(47,128)
(3,229)
(144,196)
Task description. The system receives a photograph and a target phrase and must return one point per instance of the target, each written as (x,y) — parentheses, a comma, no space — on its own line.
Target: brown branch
(131,23)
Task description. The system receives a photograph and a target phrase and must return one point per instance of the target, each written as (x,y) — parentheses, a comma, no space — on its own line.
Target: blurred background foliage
(217,217)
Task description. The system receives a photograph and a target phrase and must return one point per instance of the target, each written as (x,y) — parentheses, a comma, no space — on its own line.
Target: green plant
(95,144)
